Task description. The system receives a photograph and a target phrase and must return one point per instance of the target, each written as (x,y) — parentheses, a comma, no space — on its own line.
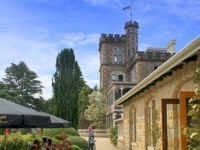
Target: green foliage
(67,83)
(54,132)
(193,131)
(20,86)
(114,135)
(84,99)
(96,112)
(2,131)
(25,130)
(75,147)
(83,102)
(80,142)
(17,141)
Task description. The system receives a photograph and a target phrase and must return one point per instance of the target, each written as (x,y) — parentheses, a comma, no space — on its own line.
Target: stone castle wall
(180,80)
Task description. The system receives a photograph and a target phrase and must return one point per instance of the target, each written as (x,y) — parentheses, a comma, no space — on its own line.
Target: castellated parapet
(161,55)
(131,24)
(112,38)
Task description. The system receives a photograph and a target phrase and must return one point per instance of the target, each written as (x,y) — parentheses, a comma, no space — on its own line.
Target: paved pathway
(103,143)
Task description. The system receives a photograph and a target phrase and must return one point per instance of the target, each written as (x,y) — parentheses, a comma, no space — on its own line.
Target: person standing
(90,127)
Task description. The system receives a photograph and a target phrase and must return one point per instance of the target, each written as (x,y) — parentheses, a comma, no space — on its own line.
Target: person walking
(91,140)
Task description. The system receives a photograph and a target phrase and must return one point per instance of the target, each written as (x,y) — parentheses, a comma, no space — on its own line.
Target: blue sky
(35,31)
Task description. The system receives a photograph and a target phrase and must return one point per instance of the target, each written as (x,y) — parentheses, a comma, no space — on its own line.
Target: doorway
(170,124)
(174,120)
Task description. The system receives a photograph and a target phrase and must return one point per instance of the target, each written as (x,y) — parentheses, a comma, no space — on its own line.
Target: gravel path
(103,143)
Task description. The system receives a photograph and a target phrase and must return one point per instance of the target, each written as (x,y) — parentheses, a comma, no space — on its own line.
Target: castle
(123,66)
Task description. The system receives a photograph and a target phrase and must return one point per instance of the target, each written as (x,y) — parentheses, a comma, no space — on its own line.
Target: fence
(97,133)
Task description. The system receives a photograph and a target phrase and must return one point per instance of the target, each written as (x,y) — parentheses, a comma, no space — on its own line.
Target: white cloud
(79,39)
(40,55)
(92,83)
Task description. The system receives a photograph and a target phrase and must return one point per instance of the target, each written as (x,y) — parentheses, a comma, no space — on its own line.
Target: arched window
(120,78)
(114,77)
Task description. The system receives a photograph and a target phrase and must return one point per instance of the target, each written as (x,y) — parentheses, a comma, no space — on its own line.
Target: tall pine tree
(67,83)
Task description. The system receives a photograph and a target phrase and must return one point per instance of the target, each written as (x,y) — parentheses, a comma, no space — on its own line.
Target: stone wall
(169,87)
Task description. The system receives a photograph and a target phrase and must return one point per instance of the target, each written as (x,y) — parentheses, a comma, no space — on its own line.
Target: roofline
(188,50)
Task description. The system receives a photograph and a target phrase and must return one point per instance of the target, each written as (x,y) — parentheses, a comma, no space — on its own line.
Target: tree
(84,99)
(83,102)
(67,83)
(96,111)
(20,85)
(193,131)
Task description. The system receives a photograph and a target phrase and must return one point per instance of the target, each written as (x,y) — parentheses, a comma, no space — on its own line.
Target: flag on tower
(127,7)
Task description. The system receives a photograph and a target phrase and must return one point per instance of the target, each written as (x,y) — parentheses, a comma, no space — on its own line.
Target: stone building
(123,66)
(158,105)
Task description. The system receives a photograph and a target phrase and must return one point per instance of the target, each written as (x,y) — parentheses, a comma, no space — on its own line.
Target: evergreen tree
(20,85)
(67,83)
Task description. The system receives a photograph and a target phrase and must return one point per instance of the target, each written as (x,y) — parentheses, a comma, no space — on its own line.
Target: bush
(114,135)
(75,147)
(80,142)
(52,132)
(17,141)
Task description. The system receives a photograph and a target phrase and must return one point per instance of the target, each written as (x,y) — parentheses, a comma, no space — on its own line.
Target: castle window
(125,90)
(117,55)
(120,55)
(114,77)
(128,54)
(117,93)
(120,78)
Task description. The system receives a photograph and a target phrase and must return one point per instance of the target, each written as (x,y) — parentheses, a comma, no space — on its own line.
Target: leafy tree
(67,83)
(96,112)
(193,131)
(50,106)
(20,85)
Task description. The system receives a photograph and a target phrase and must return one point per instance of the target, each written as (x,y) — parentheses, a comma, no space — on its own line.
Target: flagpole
(131,12)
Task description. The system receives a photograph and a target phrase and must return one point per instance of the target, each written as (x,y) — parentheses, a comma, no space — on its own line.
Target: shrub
(114,135)
(75,147)
(80,142)
(17,141)
(52,132)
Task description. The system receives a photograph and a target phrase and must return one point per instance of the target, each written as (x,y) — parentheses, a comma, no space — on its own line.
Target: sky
(35,31)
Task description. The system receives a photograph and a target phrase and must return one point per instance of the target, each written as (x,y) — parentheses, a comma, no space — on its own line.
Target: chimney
(171,47)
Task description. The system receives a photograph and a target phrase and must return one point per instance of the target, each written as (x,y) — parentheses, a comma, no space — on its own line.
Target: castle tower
(112,50)
(131,38)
